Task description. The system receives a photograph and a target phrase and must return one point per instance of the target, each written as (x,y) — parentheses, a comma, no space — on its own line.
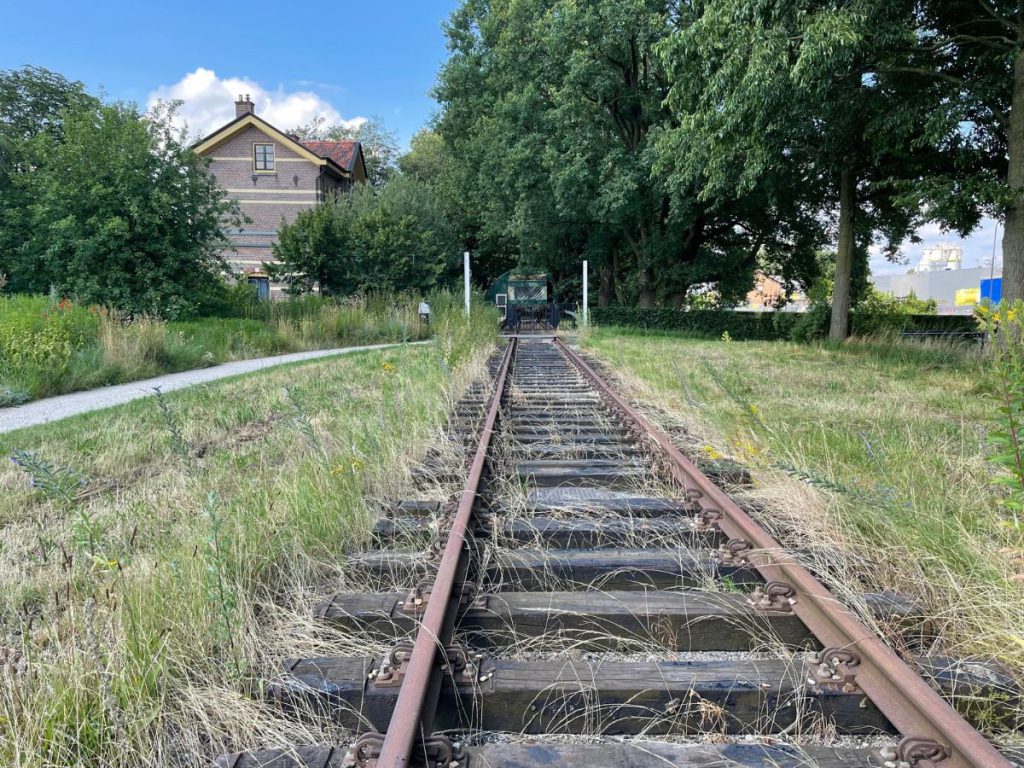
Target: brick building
(273,176)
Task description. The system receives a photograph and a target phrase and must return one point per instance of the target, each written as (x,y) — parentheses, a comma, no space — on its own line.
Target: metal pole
(465,273)
(586,310)
(992,265)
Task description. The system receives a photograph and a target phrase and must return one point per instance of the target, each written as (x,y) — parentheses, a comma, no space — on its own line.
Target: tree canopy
(552,116)
(395,238)
(804,90)
(33,106)
(679,144)
(104,203)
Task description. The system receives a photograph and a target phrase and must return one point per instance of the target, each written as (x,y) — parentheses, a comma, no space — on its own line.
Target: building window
(263,157)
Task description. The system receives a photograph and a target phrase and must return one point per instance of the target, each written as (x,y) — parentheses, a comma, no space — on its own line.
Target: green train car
(526,301)
(520,289)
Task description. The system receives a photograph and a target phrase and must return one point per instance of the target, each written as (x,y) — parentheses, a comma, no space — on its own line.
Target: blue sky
(345,60)
(358,58)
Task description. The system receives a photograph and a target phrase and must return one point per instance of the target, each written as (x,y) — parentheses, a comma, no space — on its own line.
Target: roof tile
(342,152)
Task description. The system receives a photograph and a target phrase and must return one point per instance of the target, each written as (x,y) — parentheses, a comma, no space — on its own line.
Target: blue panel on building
(992,290)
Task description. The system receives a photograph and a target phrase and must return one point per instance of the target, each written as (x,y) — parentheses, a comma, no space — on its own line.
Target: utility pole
(465,274)
(586,308)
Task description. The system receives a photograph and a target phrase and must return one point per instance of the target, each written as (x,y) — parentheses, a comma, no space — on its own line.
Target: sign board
(966,297)
(992,290)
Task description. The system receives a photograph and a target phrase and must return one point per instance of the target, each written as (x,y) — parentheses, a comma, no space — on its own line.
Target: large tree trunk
(840,324)
(606,288)
(620,291)
(646,297)
(1013,231)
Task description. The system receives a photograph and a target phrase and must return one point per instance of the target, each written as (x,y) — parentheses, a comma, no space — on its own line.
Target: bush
(741,326)
(38,339)
(774,326)
(812,324)
(395,238)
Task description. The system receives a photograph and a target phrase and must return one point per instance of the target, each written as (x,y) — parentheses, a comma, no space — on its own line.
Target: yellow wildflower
(388,368)
(711,453)
(104,565)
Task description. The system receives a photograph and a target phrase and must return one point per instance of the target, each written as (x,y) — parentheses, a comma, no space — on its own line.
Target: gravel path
(54,408)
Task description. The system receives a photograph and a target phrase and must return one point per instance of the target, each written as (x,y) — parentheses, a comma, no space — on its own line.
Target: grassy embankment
(872,455)
(174,549)
(48,347)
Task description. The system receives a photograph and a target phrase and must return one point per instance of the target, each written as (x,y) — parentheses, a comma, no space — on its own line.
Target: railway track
(592,599)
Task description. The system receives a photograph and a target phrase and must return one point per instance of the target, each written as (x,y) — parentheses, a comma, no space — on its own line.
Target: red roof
(342,152)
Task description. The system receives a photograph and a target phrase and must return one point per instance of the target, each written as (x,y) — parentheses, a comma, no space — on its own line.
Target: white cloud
(209,102)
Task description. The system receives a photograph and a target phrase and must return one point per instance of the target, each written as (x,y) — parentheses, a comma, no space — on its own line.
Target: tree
(805,91)
(426,158)
(393,239)
(125,214)
(33,103)
(968,57)
(380,147)
(552,112)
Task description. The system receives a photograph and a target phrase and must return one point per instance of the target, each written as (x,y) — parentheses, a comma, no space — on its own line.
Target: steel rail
(906,700)
(405,724)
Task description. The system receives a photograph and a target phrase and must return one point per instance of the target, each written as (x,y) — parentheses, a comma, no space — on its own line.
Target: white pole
(586,310)
(465,272)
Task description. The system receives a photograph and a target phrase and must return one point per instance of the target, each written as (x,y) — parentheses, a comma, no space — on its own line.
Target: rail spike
(734,552)
(773,596)
(433,752)
(708,519)
(914,752)
(462,667)
(835,667)
(418,599)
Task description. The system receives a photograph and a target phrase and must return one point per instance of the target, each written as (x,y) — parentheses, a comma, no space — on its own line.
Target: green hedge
(769,326)
(740,325)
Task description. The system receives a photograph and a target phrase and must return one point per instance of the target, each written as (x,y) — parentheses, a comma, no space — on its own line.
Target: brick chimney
(244,106)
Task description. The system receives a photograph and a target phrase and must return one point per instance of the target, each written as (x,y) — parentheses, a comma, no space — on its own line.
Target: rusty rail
(406,720)
(932,730)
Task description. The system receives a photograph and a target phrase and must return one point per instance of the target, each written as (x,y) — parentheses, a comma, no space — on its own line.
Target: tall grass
(873,452)
(136,609)
(49,347)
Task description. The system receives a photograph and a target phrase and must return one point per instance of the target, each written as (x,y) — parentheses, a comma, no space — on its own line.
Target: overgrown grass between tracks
(158,557)
(872,455)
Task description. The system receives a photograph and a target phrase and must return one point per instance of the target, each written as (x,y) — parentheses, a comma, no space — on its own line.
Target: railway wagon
(526,301)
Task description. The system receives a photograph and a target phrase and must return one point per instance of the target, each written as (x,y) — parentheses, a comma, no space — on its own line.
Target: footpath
(63,406)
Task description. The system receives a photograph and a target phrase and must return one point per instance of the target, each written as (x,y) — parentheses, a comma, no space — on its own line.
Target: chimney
(244,106)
